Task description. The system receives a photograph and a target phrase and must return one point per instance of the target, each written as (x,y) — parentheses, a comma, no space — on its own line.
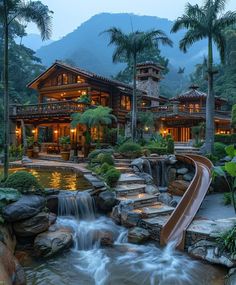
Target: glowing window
(125,103)
(65,78)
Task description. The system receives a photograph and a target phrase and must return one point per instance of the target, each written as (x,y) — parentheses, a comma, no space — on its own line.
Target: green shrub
(170,146)
(112,176)
(226,139)
(105,158)
(104,168)
(157,149)
(22,181)
(228,198)
(212,158)
(219,150)
(16,151)
(130,149)
(94,154)
(227,242)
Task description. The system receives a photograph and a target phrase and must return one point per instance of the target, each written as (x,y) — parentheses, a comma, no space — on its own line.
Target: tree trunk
(6,90)
(210,103)
(134,105)
(24,137)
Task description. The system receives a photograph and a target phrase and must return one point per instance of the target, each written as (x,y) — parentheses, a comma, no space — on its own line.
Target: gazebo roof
(193,94)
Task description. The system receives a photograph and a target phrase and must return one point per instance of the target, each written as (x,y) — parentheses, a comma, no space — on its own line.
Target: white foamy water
(88,263)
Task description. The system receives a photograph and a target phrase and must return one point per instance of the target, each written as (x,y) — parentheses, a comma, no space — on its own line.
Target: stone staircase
(123,165)
(144,207)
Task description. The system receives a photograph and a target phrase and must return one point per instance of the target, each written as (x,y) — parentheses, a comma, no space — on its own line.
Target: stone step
(123,169)
(140,200)
(130,189)
(153,211)
(154,225)
(122,164)
(120,160)
(129,178)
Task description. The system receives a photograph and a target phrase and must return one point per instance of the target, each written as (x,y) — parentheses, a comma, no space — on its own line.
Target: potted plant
(65,147)
(30,144)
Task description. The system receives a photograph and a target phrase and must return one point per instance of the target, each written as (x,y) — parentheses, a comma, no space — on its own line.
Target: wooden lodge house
(61,85)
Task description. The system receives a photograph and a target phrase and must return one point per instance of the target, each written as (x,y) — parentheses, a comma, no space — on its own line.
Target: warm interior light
(72,130)
(56,131)
(33,131)
(17,132)
(146,129)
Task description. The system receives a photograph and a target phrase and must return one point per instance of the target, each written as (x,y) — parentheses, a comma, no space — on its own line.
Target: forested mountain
(87,48)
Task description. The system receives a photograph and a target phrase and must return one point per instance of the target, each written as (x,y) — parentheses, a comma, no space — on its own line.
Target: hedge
(226,139)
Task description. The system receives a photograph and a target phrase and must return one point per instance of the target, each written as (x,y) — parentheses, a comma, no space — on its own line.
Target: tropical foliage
(228,171)
(206,22)
(129,47)
(12,12)
(93,117)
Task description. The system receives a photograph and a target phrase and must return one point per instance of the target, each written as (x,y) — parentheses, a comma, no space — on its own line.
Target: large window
(125,103)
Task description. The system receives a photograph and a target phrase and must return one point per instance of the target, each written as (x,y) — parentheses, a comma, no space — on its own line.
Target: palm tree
(15,11)
(93,117)
(207,22)
(128,47)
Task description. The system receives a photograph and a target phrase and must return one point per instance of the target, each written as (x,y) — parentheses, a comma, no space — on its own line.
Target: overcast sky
(69,14)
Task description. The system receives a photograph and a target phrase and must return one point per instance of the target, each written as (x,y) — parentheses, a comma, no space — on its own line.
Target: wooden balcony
(173,110)
(51,109)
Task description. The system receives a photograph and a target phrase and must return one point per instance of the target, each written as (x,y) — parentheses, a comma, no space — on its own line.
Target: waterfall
(80,205)
(147,166)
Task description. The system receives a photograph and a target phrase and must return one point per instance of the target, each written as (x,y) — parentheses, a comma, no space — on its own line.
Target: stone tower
(148,78)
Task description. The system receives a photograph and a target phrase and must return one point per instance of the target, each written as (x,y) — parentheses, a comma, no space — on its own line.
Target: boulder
(50,243)
(209,251)
(52,203)
(231,277)
(11,272)
(105,237)
(138,235)
(171,159)
(188,177)
(182,170)
(137,164)
(7,236)
(171,174)
(32,226)
(148,179)
(26,207)
(151,189)
(106,201)
(165,198)
(178,187)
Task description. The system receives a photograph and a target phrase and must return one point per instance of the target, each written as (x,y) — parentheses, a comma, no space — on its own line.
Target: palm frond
(220,41)
(190,38)
(38,13)
(219,5)
(186,22)
(225,21)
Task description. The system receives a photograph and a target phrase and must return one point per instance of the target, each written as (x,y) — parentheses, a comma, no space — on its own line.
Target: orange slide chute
(175,227)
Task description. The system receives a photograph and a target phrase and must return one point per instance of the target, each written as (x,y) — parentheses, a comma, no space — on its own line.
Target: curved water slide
(176,226)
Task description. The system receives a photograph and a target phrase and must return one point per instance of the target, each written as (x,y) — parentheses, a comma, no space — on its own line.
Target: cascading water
(91,263)
(79,204)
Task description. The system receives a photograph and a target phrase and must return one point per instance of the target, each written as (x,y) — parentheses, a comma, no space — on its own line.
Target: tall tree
(207,22)
(12,11)
(130,46)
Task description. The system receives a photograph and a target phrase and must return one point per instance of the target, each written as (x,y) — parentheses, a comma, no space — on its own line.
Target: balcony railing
(176,110)
(46,109)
